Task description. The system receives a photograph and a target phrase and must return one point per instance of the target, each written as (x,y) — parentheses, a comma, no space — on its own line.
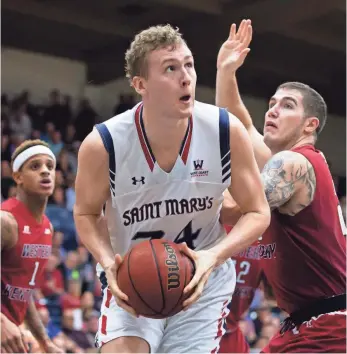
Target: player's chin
(45,191)
(186,110)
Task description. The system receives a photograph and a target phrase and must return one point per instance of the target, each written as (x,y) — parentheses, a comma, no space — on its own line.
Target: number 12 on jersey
(244,270)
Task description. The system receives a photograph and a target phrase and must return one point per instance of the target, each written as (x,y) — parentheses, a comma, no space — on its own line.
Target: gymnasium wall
(41,73)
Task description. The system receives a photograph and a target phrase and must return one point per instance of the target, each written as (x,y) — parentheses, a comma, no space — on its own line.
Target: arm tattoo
(9,230)
(283,175)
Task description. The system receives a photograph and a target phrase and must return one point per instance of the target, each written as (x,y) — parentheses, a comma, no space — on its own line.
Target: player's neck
(35,204)
(304,140)
(161,130)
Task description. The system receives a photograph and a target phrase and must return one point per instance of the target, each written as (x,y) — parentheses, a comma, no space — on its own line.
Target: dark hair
(313,102)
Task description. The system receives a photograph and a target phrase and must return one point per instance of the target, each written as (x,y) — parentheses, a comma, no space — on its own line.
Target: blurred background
(62,71)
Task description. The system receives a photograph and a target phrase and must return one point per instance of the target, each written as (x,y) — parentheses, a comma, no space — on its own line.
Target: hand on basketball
(12,340)
(205,262)
(235,49)
(120,297)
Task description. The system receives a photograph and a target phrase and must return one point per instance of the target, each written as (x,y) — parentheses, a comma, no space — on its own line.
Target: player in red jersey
(26,242)
(303,252)
(249,275)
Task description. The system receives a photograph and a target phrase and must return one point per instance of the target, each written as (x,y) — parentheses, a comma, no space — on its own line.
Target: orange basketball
(154,274)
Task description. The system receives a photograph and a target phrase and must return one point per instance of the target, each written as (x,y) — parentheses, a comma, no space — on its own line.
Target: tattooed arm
(289,181)
(9,230)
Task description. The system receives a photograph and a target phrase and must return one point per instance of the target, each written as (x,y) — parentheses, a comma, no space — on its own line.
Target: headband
(30,152)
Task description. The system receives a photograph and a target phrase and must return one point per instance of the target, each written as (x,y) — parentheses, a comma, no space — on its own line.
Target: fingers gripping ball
(154,274)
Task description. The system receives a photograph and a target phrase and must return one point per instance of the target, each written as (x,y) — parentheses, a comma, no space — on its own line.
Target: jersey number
(32,281)
(186,235)
(244,270)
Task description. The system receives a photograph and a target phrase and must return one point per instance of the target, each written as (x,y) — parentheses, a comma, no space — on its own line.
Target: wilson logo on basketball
(173,268)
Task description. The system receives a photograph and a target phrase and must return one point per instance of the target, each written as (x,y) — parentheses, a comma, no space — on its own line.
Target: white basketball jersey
(180,206)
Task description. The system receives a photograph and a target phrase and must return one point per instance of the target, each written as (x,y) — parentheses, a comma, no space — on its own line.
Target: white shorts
(199,329)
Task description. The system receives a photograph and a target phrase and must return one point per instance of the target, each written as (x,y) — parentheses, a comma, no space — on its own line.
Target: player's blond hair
(153,38)
(26,145)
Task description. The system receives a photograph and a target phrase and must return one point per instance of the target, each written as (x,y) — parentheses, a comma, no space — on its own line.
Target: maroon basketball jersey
(304,256)
(248,276)
(22,266)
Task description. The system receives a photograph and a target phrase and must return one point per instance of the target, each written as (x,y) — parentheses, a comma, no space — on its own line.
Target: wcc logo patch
(198,169)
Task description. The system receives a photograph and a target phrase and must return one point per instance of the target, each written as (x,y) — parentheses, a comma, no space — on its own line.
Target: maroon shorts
(234,342)
(322,334)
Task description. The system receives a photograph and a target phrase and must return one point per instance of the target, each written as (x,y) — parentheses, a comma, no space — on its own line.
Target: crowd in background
(69,300)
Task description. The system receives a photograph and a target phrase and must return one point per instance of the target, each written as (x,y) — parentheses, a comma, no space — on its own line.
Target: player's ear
(311,124)
(17,177)
(139,84)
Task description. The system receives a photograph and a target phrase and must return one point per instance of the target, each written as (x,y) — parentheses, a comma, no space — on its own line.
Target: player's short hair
(146,41)
(26,145)
(313,102)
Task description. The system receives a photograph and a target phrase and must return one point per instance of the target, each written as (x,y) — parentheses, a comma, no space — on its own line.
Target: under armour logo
(198,164)
(135,181)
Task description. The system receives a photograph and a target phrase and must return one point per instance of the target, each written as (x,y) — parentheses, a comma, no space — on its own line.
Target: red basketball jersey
(304,256)
(22,266)
(248,277)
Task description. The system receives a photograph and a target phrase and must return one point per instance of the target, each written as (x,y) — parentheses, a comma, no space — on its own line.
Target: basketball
(154,274)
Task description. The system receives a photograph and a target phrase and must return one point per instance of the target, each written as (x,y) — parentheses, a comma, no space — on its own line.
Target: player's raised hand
(120,297)
(205,262)
(235,49)
(12,340)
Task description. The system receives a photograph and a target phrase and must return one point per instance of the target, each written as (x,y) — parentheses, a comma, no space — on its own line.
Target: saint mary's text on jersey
(166,207)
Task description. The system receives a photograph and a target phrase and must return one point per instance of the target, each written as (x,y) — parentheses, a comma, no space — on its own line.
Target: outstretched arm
(230,58)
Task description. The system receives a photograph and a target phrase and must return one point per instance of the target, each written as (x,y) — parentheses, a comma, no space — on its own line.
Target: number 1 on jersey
(32,281)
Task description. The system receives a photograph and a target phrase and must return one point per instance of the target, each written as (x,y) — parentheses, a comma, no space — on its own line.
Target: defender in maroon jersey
(249,275)
(26,242)
(304,249)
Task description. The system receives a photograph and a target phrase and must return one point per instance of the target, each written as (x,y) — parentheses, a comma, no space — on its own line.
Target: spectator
(70,135)
(52,329)
(58,197)
(125,102)
(54,281)
(64,163)
(66,110)
(57,248)
(20,122)
(56,144)
(47,135)
(55,111)
(70,194)
(85,119)
(5,148)
(8,186)
(71,328)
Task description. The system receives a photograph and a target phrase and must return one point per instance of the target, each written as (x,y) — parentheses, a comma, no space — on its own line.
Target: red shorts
(234,342)
(323,334)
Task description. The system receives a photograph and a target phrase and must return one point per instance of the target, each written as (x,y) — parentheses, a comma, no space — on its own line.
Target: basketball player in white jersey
(161,168)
